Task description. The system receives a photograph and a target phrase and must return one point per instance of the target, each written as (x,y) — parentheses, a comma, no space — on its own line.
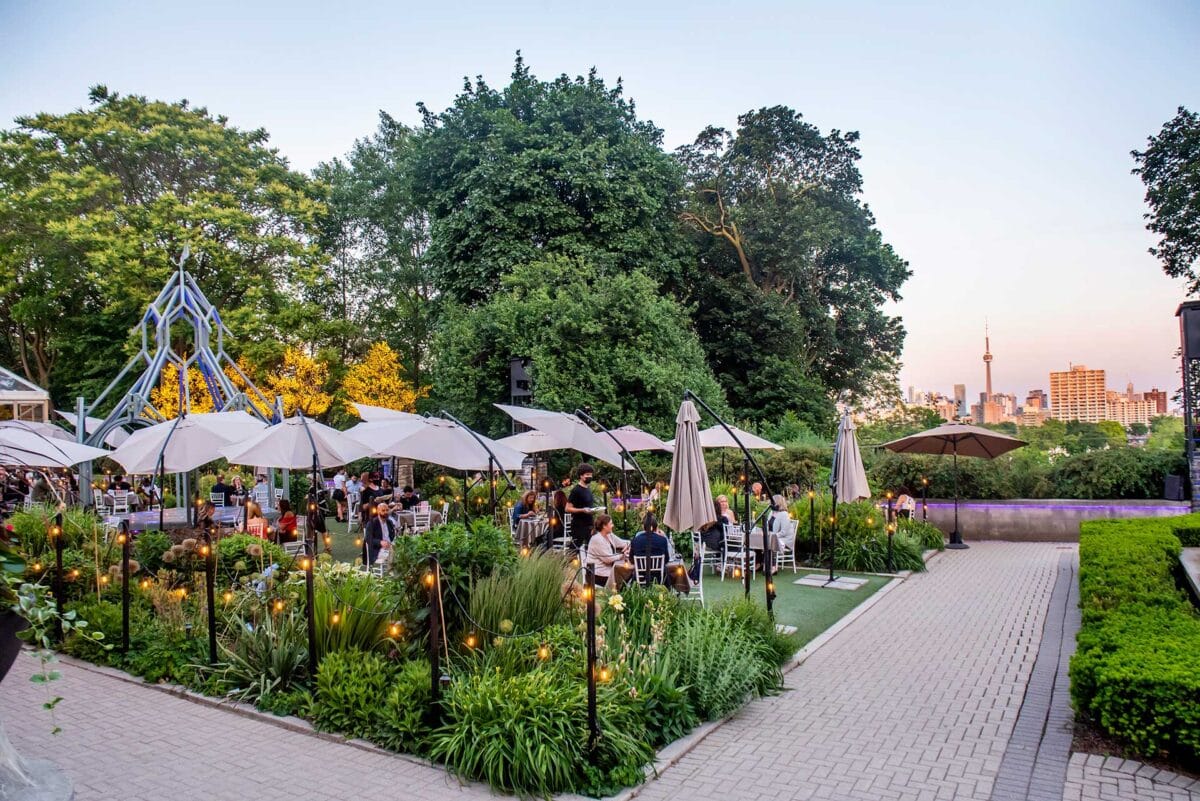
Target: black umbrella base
(956,542)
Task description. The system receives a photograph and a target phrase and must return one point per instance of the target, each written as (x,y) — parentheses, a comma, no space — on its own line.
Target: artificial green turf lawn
(810,609)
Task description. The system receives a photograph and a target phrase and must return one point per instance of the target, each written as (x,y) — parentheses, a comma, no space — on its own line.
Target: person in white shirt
(339,494)
(605,548)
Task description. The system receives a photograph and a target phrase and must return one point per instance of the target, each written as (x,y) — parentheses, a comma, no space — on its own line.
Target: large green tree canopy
(538,168)
(793,273)
(610,343)
(95,205)
(1170,169)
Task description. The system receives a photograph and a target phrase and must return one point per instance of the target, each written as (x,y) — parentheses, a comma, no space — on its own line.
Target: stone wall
(1038,520)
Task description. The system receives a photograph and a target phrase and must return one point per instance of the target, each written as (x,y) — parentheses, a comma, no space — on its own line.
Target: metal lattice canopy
(179,301)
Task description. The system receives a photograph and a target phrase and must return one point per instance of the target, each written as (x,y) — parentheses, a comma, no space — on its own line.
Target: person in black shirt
(651,542)
(119,482)
(379,530)
(580,504)
(224,490)
(409,498)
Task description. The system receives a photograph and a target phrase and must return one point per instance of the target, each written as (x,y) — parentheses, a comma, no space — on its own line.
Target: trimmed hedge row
(1136,668)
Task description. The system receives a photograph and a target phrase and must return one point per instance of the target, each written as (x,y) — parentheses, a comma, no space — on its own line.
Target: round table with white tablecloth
(407,519)
(530,531)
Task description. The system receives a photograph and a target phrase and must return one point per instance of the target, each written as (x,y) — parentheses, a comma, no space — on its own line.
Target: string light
(543,652)
(737,572)
(305,563)
(204,550)
(37,566)
(870,521)
(605,674)
(358,542)
(394,630)
(587,593)
(279,605)
(104,579)
(524,552)
(471,640)
(335,618)
(182,593)
(812,494)
(144,584)
(228,596)
(55,531)
(75,574)
(770,586)
(328,539)
(120,539)
(428,579)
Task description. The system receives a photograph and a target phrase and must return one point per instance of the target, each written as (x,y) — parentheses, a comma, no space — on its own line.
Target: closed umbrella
(30,449)
(955,439)
(533,441)
(633,438)
(690,502)
(847,478)
(569,430)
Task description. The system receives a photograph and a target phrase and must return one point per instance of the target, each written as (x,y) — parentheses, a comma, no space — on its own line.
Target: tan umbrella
(847,478)
(690,501)
(633,438)
(956,438)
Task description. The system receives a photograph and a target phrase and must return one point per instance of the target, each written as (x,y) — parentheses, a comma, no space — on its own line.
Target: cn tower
(987,360)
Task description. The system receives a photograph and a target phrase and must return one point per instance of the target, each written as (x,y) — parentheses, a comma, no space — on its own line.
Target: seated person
(147,493)
(525,508)
(650,542)
(119,483)
(286,525)
(255,523)
(713,536)
(206,517)
(605,549)
(223,489)
(43,491)
(409,498)
(724,509)
(905,506)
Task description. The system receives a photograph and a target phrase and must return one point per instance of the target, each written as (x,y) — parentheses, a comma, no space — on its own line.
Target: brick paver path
(915,700)
(1095,778)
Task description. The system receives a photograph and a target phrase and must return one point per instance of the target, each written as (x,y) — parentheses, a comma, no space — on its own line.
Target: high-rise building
(1159,396)
(1036,399)
(1078,394)
(1126,412)
(960,399)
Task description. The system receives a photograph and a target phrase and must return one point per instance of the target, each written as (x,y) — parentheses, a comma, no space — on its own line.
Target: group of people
(17,485)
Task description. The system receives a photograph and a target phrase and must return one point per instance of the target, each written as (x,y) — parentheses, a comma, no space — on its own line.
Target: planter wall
(1038,520)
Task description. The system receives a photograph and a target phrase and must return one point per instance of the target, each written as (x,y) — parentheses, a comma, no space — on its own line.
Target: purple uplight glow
(1181,508)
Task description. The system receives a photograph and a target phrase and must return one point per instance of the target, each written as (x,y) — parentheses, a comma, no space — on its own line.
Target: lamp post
(890,516)
(589,597)
(924,500)
(812,519)
(891,529)
(57,533)
(123,536)
(432,580)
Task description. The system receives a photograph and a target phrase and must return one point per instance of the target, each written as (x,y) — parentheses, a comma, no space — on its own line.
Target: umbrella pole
(832,534)
(161,501)
(624,498)
(492,484)
(956,541)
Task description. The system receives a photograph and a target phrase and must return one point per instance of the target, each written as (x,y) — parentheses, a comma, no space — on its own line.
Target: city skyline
(995,147)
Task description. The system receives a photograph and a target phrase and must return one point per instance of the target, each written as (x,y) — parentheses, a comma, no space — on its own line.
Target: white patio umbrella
(718,437)
(48,430)
(690,502)
(114,438)
(372,414)
(848,477)
(30,449)
(532,441)
(635,439)
(570,430)
(437,441)
(297,443)
(184,443)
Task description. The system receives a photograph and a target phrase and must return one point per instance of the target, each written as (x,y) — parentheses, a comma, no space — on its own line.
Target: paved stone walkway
(917,699)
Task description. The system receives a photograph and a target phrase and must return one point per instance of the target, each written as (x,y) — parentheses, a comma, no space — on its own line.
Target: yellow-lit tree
(300,382)
(239,384)
(376,381)
(165,396)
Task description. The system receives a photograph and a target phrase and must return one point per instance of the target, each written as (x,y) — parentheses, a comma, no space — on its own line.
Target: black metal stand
(123,535)
(59,590)
(210,589)
(891,566)
(435,630)
(924,500)
(833,536)
(956,541)
(748,527)
(590,598)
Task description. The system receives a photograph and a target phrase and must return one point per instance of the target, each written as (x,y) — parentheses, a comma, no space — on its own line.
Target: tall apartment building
(1127,412)
(1159,396)
(1078,394)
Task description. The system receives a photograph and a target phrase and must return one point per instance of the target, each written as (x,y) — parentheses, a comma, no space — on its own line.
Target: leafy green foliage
(31,527)
(351,685)
(150,547)
(1170,169)
(560,167)
(1136,668)
(526,600)
(239,555)
(402,723)
(353,610)
(267,659)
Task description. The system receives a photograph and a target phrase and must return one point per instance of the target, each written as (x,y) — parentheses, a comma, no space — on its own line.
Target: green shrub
(664,701)
(240,555)
(266,659)
(103,617)
(351,687)
(401,724)
(159,654)
(1189,536)
(149,547)
(1136,669)
(928,535)
(865,551)
(352,609)
(527,599)
(30,527)
(748,615)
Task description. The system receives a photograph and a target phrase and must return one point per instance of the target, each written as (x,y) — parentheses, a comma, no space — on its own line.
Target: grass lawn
(810,609)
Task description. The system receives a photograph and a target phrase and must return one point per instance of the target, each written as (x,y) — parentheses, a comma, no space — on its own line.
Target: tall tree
(541,168)
(1170,169)
(377,381)
(377,235)
(611,343)
(300,381)
(793,270)
(96,206)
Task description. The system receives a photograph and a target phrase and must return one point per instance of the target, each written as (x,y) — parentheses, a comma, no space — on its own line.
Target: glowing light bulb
(543,653)
(605,674)
(394,630)
(228,596)
(335,618)
(120,539)
(428,579)
(279,605)
(471,641)
(37,566)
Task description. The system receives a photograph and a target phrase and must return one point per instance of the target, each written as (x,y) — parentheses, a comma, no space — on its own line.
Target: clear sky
(995,137)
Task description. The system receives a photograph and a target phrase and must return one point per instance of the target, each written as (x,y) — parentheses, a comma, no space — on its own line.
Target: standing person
(581,505)
(339,494)
(366,497)
(377,534)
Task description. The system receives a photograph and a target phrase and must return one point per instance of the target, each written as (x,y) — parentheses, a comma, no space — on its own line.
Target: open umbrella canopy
(718,437)
(114,438)
(848,476)
(48,430)
(373,414)
(635,439)
(568,429)
(957,438)
(294,442)
(185,442)
(533,441)
(690,501)
(31,449)
(436,441)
